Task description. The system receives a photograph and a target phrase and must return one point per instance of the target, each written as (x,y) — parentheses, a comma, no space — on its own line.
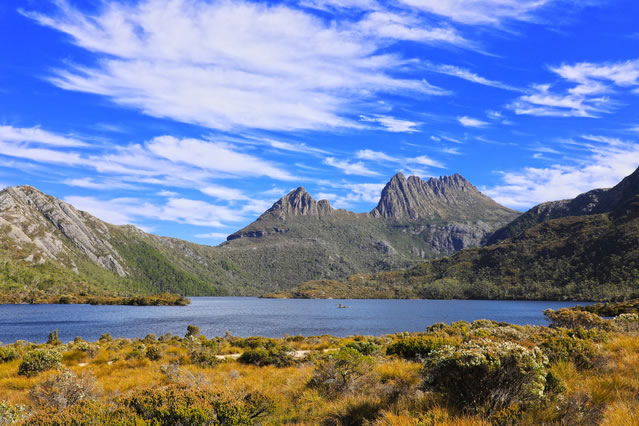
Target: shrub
(192,331)
(105,337)
(175,405)
(12,414)
(627,323)
(278,356)
(53,338)
(565,347)
(150,338)
(338,373)
(65,390)
(8,353)
(38,360)
(204,358)
(487,376)
(153,353)
(365,348)
(419,347)
(569,318)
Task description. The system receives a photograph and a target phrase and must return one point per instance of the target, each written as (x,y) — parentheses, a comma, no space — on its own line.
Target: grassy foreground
(582,370)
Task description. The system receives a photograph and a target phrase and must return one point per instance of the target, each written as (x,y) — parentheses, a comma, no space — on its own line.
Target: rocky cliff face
(444,198)
(28,216)
(591,202)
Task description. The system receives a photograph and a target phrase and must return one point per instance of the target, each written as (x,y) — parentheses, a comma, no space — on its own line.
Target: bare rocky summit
(443,198)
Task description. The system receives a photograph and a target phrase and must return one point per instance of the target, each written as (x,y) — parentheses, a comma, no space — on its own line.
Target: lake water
(246,316)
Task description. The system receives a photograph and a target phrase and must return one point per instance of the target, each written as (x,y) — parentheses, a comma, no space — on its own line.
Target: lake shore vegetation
(583,369)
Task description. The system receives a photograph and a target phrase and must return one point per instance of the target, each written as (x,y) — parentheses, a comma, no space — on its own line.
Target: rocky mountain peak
(444,197)
(299,203)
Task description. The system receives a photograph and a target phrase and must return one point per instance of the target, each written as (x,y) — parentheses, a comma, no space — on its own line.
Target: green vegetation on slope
(592,257)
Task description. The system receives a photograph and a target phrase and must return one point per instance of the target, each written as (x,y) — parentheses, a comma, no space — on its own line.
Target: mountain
(448,198)
(587,249)
(591,202)
(48,245)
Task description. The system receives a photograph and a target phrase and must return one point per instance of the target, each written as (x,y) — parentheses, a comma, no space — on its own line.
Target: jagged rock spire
(443,197)
(300,203)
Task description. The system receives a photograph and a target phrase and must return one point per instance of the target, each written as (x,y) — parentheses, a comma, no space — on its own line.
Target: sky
(190,118)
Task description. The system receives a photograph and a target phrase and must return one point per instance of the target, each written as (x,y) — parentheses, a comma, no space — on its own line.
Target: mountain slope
(580,257)
(591,202)
(297,239)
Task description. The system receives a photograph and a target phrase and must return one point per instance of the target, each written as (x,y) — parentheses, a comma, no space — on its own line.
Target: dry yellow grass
(388,394)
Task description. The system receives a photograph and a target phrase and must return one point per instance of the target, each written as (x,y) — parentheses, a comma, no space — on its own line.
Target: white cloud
(422,160)
(604,166)
(385,24)
(449,139)
(369,154)
(349,168)
(340,4)
(392,124)
(105,185)
(224,193)
(213,236)
(622,74)
(122,211)
(483,12)
(228,65)
(451,151)
(588,95)
(168,194)
(213,156)
(295,147)
(471,122)
(35,135)
(356,193)
(470,76)
(41,155)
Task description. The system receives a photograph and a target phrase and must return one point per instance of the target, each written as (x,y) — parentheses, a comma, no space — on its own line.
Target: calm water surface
(246,316)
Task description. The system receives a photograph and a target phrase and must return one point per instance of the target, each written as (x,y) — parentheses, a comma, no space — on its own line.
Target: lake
(247,316)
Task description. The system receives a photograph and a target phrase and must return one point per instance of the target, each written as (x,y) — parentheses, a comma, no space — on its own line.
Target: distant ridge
(592,202)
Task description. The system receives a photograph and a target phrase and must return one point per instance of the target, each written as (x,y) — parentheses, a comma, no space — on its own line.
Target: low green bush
(279,356)
(39,360)
(487,376)
(8,353)
(365,348)
(419,347)
(339,373)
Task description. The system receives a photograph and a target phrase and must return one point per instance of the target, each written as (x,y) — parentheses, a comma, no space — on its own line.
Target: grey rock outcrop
(29,216)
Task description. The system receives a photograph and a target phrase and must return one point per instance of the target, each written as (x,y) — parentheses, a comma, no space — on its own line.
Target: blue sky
(190,118)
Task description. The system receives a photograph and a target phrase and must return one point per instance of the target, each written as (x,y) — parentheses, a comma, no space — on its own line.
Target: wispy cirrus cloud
(350,168)
(471,122)
(392,124)
(468,75)
(378,156)
(481,12)
(227,65)
(35,135)
(589,92)
(121,211)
